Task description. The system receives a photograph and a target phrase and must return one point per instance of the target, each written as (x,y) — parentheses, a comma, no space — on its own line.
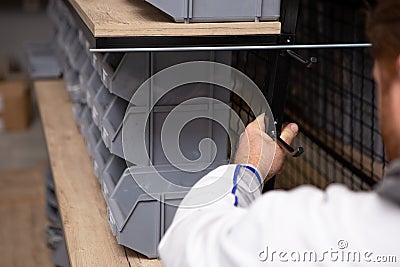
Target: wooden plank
(123,18)
(136,259)
(82,207)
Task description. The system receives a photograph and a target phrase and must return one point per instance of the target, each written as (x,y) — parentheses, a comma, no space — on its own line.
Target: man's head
(383,29)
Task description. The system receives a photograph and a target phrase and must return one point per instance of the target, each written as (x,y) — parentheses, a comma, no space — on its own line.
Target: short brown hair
(383,29)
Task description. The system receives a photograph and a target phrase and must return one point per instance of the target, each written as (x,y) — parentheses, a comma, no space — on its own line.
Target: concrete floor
(22,218)
(23,160)
(23,156)
(19,150)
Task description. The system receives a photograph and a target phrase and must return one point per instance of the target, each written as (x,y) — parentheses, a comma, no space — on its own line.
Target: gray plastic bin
(85,121)
(77,110)
(73,87)
(93,86)
(189,138)
(42,61)
(100,158)
(76,54)
(60,255)
(92,137)
(48,178)
(51,198)
(101,102)
(138,220)
(54,236)
(56,242)
(84,75)
(108,65)
(97,59)
(53,215)
(123,74)
(111,130)
(84,43)
(112,172)
(219,10)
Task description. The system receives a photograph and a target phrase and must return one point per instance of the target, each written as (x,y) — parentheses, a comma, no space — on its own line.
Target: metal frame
(336,103)
(279,87)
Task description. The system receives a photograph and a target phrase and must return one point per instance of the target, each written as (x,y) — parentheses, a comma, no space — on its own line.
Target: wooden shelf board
(135,18)
(82,207)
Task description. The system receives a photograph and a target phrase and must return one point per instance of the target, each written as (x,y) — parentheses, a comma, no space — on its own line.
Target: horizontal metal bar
(222,48)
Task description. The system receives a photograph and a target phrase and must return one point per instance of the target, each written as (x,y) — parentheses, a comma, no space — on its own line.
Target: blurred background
(333,102)
(23,155)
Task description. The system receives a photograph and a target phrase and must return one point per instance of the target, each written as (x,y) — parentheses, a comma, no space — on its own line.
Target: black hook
(290,150)
(285,146)
(308,63)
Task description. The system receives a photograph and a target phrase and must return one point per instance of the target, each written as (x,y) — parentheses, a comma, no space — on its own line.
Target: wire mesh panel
(258,66)
(334,102)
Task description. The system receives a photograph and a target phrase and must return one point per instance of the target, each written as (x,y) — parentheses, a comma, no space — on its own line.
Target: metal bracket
(307,62)
(290,150)
(282,144)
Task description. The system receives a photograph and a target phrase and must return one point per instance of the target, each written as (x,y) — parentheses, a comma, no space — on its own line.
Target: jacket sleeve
(212,207)
(224,221)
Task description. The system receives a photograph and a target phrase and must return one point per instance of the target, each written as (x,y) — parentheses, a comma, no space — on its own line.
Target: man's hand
(258,149)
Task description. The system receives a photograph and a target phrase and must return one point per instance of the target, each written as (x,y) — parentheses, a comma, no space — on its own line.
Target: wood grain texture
(82,207)
(121,18)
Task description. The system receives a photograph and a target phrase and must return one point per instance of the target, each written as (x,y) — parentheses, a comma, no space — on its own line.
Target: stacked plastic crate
(226,10)
(101,87)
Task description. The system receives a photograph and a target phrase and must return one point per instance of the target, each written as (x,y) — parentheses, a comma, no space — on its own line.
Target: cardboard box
(15,105)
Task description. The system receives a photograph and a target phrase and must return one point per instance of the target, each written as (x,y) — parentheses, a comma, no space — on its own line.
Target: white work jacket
(226,221)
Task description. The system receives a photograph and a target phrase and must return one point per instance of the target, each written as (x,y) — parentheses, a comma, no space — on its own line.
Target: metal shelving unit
(101,81)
